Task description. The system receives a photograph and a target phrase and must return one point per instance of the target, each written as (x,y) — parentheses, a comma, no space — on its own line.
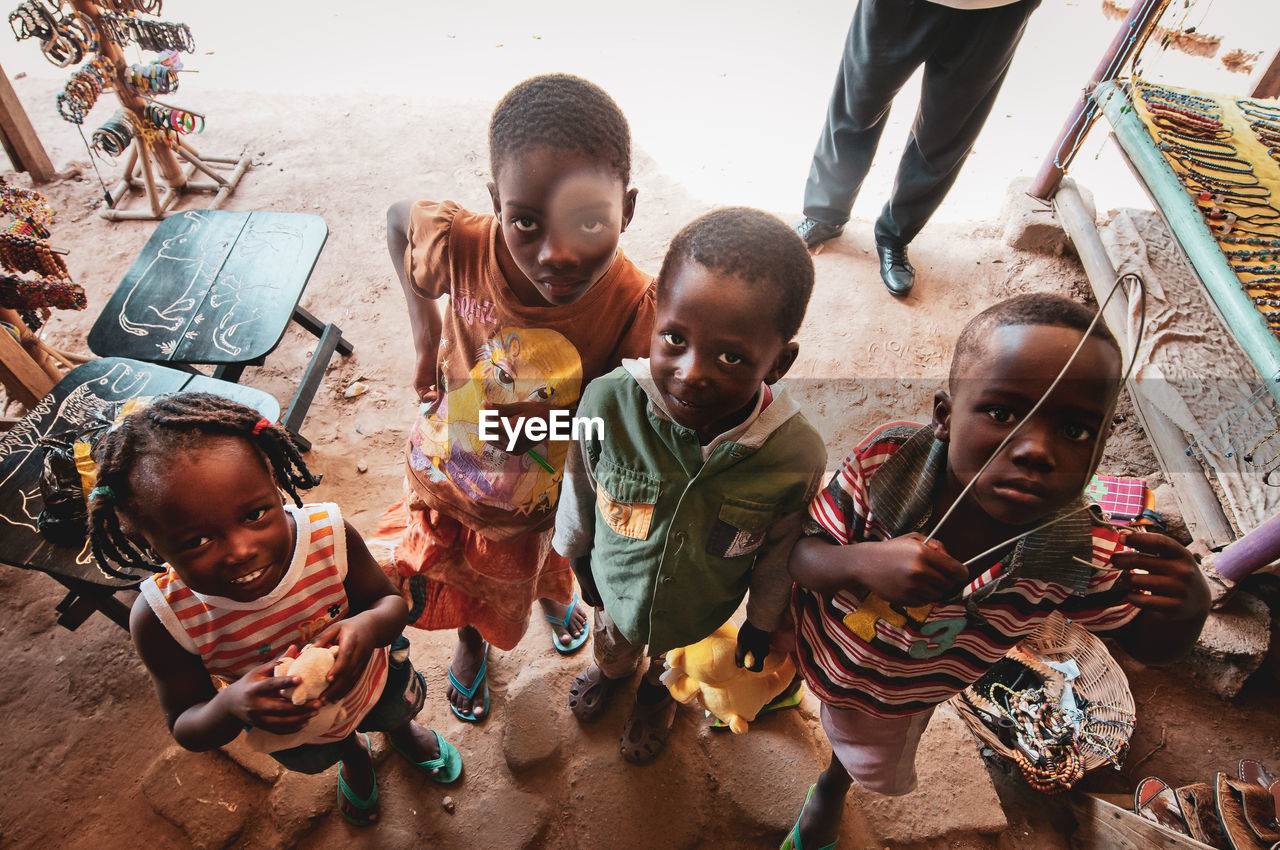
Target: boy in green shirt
(693,492)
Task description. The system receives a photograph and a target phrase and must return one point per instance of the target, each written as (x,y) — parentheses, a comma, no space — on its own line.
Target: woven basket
(1101,681)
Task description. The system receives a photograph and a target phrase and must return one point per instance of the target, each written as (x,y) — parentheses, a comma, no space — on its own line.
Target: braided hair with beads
(168,426)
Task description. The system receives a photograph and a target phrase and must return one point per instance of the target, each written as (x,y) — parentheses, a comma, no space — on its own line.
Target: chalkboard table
(219,287)
(78,398)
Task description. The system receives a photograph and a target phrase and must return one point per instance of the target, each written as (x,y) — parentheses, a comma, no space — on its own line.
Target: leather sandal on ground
(647,729)
(365,808)
(1201,814)
(589,695)
(1247,813)
(1155,801)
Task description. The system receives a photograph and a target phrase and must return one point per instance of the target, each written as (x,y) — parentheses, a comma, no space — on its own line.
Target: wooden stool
(85,392)
(219,287)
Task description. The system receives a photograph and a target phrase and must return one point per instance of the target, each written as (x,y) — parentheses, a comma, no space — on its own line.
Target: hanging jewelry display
(1211,145)
(36,277)
(152,137)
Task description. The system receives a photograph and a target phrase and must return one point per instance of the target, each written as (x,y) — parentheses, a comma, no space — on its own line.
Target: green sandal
(448,764)
(793,838)
(367,806)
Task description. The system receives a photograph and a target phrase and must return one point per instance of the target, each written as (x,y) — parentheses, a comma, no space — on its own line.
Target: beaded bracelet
(19,293)
(19,253)
(27,204)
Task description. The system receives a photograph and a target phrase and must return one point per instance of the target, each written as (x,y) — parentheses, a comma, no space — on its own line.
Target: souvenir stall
(1192,293)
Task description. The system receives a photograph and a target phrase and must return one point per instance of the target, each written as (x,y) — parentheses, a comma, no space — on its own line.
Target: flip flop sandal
(367,806)
(647,730)
(589,695)
(575,643)
(448,764)
(470,692)
(782,701)
(1155,801)
(793,837)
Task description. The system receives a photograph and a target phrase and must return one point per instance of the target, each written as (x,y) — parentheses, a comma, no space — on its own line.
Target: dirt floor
(344,116)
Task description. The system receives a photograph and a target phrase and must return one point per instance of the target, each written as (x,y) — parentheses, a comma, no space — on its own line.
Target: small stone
(354,389)
(447,804)
(361,466)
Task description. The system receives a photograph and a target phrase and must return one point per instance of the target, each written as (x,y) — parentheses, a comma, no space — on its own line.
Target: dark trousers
(965,54)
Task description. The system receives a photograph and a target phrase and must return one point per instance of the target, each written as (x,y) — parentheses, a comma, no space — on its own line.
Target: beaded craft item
(1208,144)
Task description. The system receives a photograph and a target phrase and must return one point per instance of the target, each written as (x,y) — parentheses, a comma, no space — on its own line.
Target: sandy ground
(346,111)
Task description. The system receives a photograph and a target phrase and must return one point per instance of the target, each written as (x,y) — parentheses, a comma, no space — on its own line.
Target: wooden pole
(170,171)
(20,139)
(1142,16)
(1200,506)
(1265,81)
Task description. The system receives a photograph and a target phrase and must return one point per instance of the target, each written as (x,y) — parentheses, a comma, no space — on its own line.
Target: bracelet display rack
(150,162)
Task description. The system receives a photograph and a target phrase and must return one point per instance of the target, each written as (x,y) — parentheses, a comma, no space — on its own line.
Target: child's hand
(906,570)
(1162,576)
(255,700)
(511,414)
(355,645)
(424,377)
(753,642)
(586,581)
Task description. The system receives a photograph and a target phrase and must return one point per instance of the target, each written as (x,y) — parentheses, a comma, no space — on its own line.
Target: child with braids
(539,301)
(189,486)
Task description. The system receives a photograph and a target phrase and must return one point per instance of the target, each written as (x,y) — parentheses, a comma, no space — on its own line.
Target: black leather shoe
(815,232)
(895,269)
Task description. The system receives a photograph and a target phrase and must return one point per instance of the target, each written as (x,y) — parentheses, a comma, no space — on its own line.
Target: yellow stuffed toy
(732,693)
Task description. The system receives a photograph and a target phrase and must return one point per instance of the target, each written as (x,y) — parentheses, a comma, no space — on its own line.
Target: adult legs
(962,77)
(887,41)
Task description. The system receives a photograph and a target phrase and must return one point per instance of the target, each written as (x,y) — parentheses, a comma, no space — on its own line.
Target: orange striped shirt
(232,638)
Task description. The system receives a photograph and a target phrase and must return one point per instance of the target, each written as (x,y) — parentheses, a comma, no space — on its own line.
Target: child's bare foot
(468,691)
(416,743)
(569,624)
(819,821)
(649,725)
(426,750)
(357,786)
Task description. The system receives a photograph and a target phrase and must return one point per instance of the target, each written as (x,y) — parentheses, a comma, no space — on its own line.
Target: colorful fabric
(1123,500)
(891,661)
(451,575)
(232,638)
(494,349)
(676,540)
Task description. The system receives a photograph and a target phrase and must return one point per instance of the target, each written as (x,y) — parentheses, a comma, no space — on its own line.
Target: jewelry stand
(138,170)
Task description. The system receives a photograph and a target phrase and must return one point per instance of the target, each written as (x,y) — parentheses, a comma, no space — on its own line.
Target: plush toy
(732,693)
(313,664)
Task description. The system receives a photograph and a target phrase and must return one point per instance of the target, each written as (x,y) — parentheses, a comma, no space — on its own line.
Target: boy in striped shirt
(923,563)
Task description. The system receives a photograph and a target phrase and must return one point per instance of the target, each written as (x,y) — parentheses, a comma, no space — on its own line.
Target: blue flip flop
(367,805)
(470,692)
(574,644)
(449,762)
(793,838)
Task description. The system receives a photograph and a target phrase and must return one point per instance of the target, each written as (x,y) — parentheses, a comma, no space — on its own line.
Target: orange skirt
(451,576)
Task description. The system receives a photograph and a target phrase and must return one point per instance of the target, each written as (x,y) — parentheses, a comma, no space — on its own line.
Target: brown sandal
(1155,801)
(647,730)
(589,695)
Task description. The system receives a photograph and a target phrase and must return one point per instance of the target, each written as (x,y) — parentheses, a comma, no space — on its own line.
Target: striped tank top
(232,638)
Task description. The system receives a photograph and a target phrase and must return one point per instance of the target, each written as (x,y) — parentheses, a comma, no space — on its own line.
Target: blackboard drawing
(182,258)
(230,290)
(82,404)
